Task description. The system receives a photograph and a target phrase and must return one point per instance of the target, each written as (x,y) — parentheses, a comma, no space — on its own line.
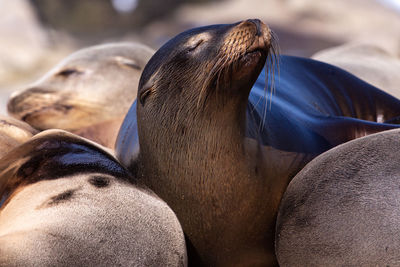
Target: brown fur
(198,158)
(220,166)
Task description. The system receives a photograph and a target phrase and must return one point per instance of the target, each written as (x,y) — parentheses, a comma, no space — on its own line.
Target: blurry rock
(104,18)
(23,41)
(339,21)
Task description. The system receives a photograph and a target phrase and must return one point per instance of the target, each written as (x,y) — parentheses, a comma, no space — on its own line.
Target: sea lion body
(220,153)
(66,202)
(368,62)
(342,208)
(87,93)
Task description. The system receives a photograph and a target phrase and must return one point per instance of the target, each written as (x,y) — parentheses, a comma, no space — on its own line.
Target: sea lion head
(82,89)
(200,73)
(199,62)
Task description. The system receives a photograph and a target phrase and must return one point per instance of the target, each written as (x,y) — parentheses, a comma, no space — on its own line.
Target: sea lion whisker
(206,84)
(213,74)
(218,75)
(271,65)
(273,59)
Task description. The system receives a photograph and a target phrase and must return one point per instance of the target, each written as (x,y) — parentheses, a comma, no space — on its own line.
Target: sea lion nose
(14,102)
(261,29)
(259,26)
(261,33)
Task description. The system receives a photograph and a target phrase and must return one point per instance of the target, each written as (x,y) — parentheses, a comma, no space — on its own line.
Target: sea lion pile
(229,155)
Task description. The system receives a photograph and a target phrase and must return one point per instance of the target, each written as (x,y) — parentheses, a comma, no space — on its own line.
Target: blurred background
(36,34)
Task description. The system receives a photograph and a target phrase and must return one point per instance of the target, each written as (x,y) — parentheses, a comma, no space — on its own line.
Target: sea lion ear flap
(146,90)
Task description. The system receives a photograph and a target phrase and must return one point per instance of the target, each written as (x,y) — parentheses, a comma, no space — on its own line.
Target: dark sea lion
(67,202)
(88,93)
(368,62)
(219,152)
(13,133)
(342,209)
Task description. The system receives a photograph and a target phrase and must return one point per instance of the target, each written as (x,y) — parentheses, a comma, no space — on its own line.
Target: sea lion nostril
(258,24)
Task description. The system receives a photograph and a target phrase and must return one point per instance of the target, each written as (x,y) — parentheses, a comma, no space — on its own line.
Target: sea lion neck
(200,132)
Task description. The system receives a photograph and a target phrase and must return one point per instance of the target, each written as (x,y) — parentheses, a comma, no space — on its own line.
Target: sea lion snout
(23,101)
(261,27)
(261,34)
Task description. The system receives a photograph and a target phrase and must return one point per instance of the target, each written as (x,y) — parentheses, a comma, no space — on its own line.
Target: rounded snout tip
(262,30)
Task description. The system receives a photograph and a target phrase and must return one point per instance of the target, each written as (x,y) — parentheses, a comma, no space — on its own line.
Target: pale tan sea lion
(88,93)
(64,201)
(369,62)
(342,209)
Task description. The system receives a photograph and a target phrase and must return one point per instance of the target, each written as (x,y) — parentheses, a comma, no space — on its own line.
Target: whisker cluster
(272,64)
(236,46)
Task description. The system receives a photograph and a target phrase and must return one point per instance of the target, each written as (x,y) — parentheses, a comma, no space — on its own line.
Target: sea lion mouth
(35,102)
(254,55)
(31,115)
(46,108)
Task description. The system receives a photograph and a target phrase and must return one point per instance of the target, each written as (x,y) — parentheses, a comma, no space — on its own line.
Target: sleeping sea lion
(342,209)
(219,151)
(67,202)
(88,93)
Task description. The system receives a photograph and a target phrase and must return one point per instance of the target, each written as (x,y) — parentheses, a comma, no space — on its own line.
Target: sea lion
(368,62)
(342,209)
(67,202)
(13,133)
(88,93)
(221,153)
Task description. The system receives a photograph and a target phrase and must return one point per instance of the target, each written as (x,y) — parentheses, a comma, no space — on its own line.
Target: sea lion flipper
(394,120)
(127,144)
(338,130)
(319,104)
